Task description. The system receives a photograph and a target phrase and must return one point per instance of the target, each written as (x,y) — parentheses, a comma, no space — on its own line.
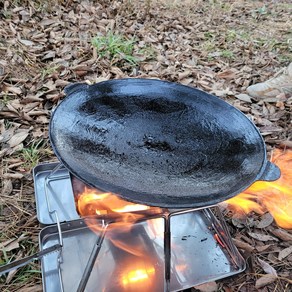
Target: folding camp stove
(171,250)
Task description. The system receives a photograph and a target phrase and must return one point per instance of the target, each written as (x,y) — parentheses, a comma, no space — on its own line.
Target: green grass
(24,275)
(227,54)
(260,11)
(6,98)
(32,154)
(231,35)
(48,71)
(116,48)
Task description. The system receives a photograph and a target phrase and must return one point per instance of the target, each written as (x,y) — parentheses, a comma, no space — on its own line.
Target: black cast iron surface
(158,143)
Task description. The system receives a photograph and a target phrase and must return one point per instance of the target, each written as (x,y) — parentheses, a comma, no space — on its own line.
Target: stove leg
(91,261)
(167,252)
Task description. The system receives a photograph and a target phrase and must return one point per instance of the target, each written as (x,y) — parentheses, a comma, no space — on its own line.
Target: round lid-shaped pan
(158,143)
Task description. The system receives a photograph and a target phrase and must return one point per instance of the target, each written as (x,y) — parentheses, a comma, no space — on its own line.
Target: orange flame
(94,202)
(274,197)
(137,275)
(140,275)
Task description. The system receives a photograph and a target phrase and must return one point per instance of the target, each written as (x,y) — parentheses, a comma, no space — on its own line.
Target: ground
(218,46)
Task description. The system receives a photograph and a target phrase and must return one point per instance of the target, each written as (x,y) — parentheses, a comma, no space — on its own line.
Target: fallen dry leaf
(266,220)
(13,244)
(243,245)
(267,267)
(263,247)
(207,287)
(12,89)
(262,237)
(12,273)
(12,175)
(228,74)
(265,280)
(7,187)
(243,97)
(37,288)
(282,234)
(27,42)
(284,253)
(18,137)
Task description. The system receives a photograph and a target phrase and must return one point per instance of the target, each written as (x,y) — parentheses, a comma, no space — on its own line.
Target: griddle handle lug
(271,172)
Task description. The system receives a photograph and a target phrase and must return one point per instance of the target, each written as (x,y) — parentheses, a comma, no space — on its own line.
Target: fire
(137,275)
(93,202)
(274,197)
(121,213)
(128,241)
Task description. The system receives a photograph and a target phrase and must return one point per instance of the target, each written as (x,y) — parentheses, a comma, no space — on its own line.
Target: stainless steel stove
(168,251)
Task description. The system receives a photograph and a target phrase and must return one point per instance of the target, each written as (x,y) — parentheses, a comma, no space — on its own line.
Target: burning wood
(274,197)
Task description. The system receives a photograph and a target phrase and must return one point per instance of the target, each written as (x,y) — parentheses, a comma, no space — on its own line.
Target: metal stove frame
(216,224)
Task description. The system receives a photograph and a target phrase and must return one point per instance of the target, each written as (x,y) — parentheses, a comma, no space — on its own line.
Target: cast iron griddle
(158,143)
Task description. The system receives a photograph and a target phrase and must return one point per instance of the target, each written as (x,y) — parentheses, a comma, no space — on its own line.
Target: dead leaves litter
(211,45)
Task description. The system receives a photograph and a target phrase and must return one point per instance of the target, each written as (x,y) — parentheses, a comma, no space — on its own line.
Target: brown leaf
(285,144)
(261,237)
(13,272)
(12,89)
(61,83)
(82,67)
(271,129)
(16,164)
(19,136)
(228,74)
(265,280)
(184,74)
(3,152)
(186,81)
(117,71)
(207,287)
(49,55)
(263,247)
(243,245)
(282,234)
(218,92)
(267,268)
(5,243)
(6,135)
(285,252)
(243,97)
(242,108)
(12,175)
(27,43)
(7,187)
(12,243)
(238,222)
(38,288)
(266,220)
(46,22)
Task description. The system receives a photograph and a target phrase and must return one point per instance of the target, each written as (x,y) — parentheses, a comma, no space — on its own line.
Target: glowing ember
(137,276)
(275,197)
